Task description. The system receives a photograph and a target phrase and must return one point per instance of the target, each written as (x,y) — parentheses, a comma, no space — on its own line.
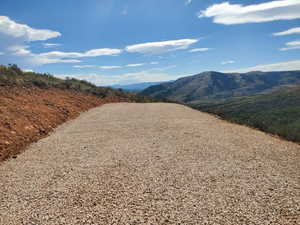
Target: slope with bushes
(277,113)
(13,76)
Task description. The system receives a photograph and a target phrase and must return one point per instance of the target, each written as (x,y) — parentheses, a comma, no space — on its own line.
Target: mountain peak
(212,85)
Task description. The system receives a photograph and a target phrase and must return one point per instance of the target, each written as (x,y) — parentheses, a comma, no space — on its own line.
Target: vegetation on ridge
(12,75)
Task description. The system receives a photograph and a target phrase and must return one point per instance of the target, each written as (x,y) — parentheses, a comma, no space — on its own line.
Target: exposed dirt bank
(28,114)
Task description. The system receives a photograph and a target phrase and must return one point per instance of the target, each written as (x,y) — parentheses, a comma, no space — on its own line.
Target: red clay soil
(28,114)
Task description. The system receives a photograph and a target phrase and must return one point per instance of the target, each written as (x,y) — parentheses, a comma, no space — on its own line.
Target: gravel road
(157,163)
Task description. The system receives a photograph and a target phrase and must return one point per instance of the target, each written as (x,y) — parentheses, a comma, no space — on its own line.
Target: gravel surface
(154,164)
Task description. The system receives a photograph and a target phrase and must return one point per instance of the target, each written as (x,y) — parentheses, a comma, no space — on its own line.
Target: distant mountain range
(215,86)
(136,87)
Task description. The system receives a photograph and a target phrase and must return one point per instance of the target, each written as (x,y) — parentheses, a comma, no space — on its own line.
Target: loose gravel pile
(154,164)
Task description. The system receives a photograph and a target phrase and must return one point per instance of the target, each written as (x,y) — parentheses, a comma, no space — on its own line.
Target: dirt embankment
(28,114)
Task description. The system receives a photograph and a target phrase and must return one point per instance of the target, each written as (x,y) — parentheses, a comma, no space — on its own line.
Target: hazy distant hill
(136,87)
(210,86)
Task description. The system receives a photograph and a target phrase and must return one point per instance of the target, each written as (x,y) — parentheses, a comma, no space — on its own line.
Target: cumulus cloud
(281,66)
(291,45)
(227,62)
(25,32)
(17,36)
(295,30)
(160,47)
(226,13)
(199,49)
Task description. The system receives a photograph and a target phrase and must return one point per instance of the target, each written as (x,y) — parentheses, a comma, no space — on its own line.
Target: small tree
(15,68)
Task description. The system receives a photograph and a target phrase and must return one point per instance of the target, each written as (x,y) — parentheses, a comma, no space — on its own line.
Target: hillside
(277,113)
(211,86)
(13,76)
(32,105)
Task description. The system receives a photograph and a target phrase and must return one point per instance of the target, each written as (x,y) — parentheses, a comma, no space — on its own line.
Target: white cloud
(281,66)
(51,45)
(57,56)
(226,13)
(291,45)
(21,34)
(84,66)
(115,67)
(1,53)
(99,67)
(187,2)
(199,49)
(90,53)
(135,65)
(127,78)
(109,67)
(19,50)
(295,30)
(227,62)
(161,47)
(290,48)
(25,32)
(36,59)
(16,36)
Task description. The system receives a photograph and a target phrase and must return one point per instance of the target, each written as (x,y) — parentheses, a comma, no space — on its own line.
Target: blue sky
(129,41)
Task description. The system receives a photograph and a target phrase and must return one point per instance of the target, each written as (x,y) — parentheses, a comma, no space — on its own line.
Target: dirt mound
(28,114)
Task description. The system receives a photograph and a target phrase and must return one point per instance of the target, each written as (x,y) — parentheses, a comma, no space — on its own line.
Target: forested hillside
(277,113)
